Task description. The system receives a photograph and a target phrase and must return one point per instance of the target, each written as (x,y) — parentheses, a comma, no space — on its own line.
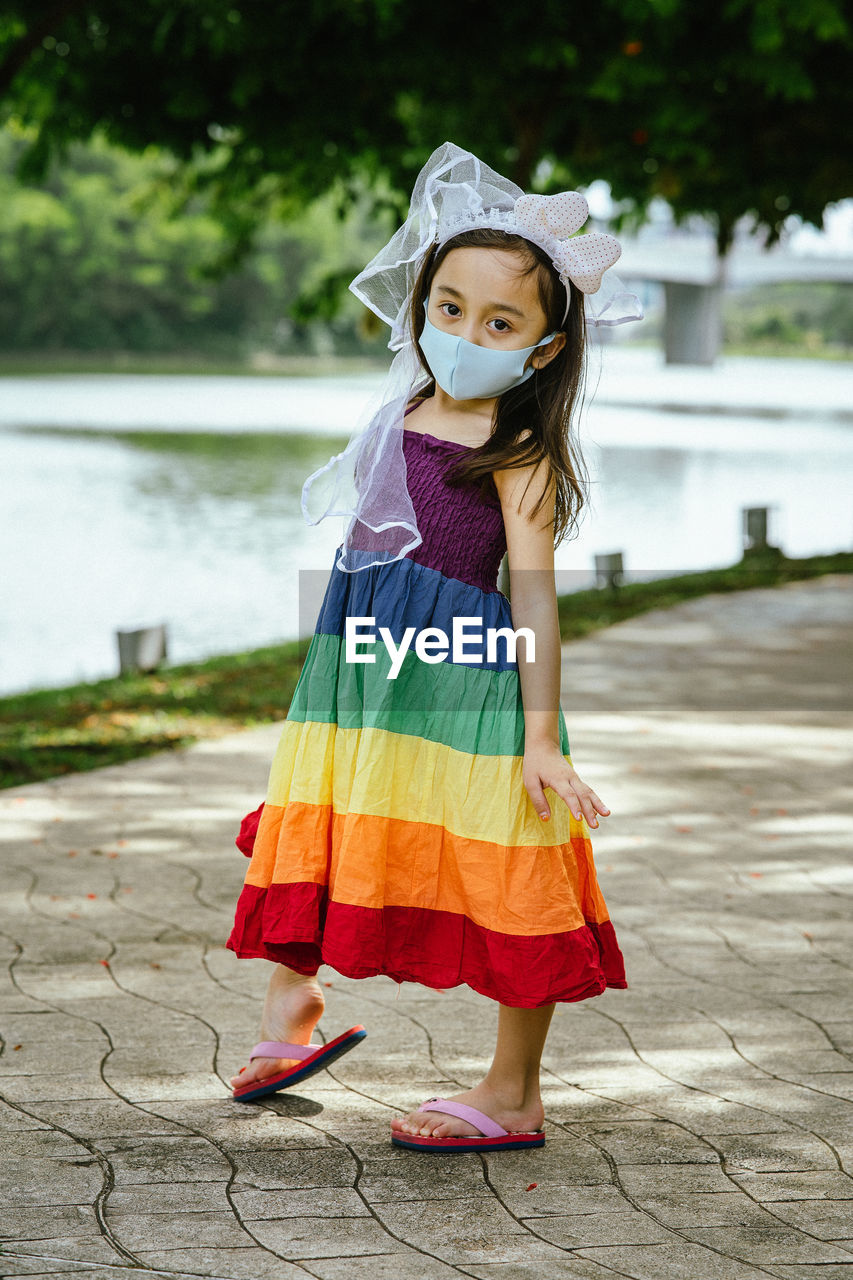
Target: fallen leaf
(533,1186)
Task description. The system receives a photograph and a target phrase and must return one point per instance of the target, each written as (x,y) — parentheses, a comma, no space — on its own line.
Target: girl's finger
(566,793)
(540,804)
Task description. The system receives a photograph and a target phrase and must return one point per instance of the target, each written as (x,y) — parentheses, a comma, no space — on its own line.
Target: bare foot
(294,1005)
(527,1117)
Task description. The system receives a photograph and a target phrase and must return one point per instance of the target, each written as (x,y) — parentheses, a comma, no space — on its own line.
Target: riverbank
(46,733)
(266,363)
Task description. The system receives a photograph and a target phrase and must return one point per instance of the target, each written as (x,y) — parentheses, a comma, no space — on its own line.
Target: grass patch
(46,363)
(49,732)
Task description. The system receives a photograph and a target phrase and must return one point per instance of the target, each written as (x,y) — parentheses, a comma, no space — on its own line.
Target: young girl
(406,829)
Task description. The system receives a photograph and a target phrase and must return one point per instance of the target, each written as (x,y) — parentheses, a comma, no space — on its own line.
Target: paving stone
(805,1184)
(774,1152)
(251,1263)
(547,1198)
(706,1209)
(167,1197)
(409,1175)
(318,1202)
(824,1271)
(768,1245)
(827,1219)
(582,1230)
(293,1170)
(171,1159)
(475,1229)
(655,1142)
(58,1086)
(306,1238)
(44,1222)
(105,1118)
(673,1262)
(30,1181)
(70,1249)
(567,1267)
(565,1158)
(178,1230)
(383,1266)
(38,1268)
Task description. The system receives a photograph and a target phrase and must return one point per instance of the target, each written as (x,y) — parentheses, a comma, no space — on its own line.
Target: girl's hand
(545,766)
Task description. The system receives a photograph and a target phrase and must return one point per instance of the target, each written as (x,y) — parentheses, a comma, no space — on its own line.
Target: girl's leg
(510,1091)
(293,1006)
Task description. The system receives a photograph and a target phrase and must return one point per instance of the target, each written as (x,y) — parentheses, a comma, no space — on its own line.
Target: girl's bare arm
(530,552)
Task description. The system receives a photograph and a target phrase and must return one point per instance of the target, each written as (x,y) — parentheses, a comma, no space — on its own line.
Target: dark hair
(544,404)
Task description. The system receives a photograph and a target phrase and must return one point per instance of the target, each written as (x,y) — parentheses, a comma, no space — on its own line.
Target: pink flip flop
(313,1057)
(494,1137)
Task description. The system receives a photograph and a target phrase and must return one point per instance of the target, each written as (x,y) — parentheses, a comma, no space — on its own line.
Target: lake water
(130,501)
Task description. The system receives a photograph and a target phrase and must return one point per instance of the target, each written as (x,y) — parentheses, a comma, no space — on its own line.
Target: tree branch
(28,43)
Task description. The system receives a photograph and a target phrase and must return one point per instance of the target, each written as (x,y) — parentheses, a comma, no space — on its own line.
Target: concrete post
(609,570)
(692,323)
(141,650)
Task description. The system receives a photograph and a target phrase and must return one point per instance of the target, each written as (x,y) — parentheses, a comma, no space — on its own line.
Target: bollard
(141,650)
(754,528)
(756,547)
(609,570)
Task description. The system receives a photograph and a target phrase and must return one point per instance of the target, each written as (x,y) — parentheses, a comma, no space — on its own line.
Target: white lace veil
(454,192)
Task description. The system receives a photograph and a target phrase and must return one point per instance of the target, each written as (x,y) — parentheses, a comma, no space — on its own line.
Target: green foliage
(724,111)
(797,318)
(93,258)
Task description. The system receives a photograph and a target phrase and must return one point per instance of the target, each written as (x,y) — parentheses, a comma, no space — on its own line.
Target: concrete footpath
(699,1124)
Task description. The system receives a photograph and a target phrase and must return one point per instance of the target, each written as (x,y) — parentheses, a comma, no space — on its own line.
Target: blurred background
(188,187)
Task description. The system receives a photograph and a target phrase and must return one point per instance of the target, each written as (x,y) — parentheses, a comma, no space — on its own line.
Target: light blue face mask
(468,372)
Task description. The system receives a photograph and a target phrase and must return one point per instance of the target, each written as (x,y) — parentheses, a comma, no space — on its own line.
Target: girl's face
(481,295)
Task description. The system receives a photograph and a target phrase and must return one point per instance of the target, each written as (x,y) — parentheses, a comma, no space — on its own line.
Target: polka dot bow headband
(551,222)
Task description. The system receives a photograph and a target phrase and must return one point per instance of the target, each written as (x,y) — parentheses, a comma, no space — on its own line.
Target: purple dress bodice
(463,533)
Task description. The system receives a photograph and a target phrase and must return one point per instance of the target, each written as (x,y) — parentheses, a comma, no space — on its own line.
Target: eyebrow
(496,306)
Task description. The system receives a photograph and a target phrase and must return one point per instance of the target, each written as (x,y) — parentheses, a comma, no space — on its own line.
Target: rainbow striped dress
(397,836)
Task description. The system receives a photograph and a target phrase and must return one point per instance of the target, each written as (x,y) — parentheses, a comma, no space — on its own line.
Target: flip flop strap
(283,1049)
(487,1126)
